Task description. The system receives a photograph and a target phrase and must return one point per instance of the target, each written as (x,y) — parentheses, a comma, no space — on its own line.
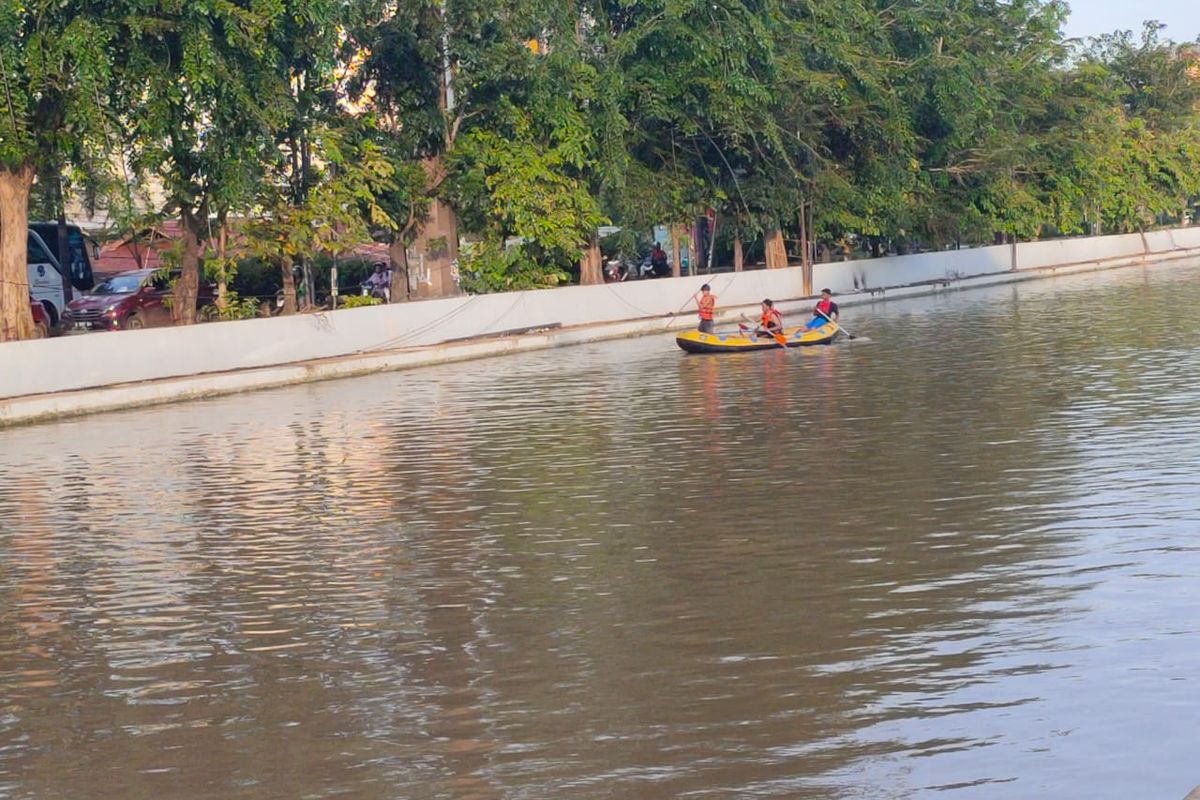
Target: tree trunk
(694,265)
(307,298)
(806,270)
(739,259)
(222,249)
(712,243)
(591,271)
(806,267)
(442,250)
(398,261)
(438,239)
(776,250)
(289,285)
(65,257)
(809,227)
(16,322)
(675,259)
(187,286)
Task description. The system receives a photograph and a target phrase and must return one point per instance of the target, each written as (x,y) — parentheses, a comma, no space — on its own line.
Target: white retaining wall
(1059,252)
(880,273)
(104,359)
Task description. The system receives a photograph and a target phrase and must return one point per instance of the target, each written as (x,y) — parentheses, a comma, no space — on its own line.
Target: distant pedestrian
(658,261)
(707,302)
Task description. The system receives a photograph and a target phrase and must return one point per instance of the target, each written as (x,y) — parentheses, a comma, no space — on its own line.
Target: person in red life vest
(770,324)
(824,311)
(707,301)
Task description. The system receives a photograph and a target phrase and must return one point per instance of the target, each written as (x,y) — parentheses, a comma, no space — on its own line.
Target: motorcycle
(639,270)
(381,290)
(617,270)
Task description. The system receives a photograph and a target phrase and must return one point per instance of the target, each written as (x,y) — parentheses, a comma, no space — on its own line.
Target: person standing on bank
(824,311)
(707,302)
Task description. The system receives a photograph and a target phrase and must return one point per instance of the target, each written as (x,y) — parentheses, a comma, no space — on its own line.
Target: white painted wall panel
(1160,242)
(1036,255)
(1186,238)
(878,273)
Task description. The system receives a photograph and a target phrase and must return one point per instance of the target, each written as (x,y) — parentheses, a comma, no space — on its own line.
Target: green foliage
(528,191)
(357,301)
(55,69)
(489,267)
(235,308)
(625,243)
(528,174)
(259,279)
(255,278)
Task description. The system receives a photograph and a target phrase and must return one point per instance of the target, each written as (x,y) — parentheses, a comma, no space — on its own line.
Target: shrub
(357,301)
(235,308)
(490,268)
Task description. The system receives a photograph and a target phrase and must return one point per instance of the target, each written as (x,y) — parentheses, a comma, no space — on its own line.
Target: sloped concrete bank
(81,374)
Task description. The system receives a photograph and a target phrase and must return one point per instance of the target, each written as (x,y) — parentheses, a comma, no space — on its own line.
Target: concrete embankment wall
(109,370)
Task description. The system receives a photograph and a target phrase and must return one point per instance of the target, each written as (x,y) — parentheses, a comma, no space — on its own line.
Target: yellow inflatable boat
(744,342)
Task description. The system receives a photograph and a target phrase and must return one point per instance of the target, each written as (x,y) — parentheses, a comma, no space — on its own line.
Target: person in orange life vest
(707,301)
(770,324)
(824,311)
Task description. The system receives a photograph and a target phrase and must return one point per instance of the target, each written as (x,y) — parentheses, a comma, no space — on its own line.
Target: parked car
(41,323)
(131,300)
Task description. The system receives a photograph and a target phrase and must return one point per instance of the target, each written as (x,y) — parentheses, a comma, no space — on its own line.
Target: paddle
(779,338)
(841,327)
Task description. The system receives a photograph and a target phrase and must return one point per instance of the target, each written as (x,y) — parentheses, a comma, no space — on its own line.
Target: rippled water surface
(958,559)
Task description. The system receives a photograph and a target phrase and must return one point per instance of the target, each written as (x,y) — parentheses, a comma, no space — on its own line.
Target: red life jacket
(825,306)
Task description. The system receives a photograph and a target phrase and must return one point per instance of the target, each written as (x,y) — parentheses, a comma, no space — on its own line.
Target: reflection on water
(954,560)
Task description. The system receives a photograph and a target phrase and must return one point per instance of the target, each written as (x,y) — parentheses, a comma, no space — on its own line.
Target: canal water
(956,558)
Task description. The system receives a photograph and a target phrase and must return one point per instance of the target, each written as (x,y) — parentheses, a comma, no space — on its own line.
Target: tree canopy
(525,125)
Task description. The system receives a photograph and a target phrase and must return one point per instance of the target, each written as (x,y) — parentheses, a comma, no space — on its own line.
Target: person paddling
(707,301)
(770,324)
(824,311)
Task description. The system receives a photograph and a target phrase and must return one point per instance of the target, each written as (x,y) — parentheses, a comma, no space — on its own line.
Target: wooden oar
(842,328)
(779,338)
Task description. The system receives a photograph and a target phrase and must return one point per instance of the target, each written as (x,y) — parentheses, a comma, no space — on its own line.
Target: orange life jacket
(707,304)
(771,317)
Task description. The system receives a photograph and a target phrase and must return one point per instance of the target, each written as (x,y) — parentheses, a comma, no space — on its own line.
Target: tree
(684,109)
(528,175)
(975,76)
(201,81)
(54,69)
(329,217)
(433,71)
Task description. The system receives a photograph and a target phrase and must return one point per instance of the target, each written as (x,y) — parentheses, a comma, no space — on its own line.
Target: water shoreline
(934,273)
